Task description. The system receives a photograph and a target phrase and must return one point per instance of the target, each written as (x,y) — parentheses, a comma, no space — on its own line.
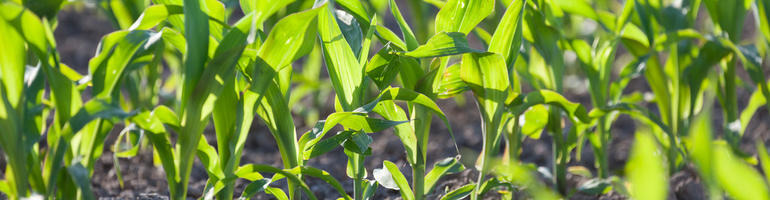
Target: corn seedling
(174,66)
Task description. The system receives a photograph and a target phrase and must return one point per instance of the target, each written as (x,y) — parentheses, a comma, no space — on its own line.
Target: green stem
(358,172)
(418,180)
(422,117)
(731,103)
(602,155)
(513,143)
(559,151)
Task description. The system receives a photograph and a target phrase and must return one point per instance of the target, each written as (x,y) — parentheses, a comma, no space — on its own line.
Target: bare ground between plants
(79,32)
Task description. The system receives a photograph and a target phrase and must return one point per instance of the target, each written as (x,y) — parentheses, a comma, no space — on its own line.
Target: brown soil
(78,34)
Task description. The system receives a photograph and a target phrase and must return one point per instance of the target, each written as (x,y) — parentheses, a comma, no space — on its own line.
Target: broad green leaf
(521,103)
(291,38)
(451,83)
(755,102)
(406,32)
(533,121)
(507,37)
(358,142)
(193,120)
(546,64)
(387,36)
(487,76)
(253,188)
(391,111)
(369,189)
(12,88)
(383,67)
(349,120)
(210,160)
(391,177)
(262,9)
(578,7)
(764,158)
(459,193)
(275,112)
(442,44)
(443,167)
(725,14)
(356,8)
(327,145)
(346,74)
(80,175)
(646,169)
(739,179)
(154,15)
(462,15)
(117,51)
(323,175)
(351,30)
(278,172)
(762,9)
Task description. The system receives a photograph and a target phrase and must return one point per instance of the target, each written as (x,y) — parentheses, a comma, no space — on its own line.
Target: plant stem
(422,118)
(559,151)
(603,152)
(513,143)
(418,180)
(358,173)
(731,105)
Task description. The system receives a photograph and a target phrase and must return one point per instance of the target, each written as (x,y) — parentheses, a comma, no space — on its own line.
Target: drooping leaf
(390,176)
(462,15)
(442,44)
(459,193)
(443,167)
(647,169)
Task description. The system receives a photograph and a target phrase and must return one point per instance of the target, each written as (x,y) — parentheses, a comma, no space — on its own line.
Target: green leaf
(647,169)
(117,51)
(406,32)
(534,121)
(487,76)
(351,30)
(459,193)
(764,158)
(254,187)
(80,175)
(725,14)
(391,177)
(387,36)
(451,83)
(756,101)
(345,72)
(462,15)
(740,180)
(442,44)
(349,120)
(763,7)
(323,175)
(443,167)
(154,15)
(358,142)
(576,111)
(327,145)
(383,67)
(578,7)
(291,38)
(356,8)
(507,37)
(262,9)
(279,173)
